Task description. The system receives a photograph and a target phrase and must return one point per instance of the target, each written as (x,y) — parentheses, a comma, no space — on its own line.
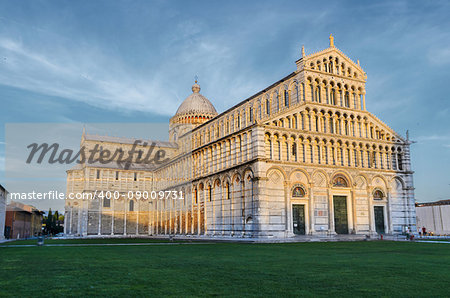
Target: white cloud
(86,76)
(48,62)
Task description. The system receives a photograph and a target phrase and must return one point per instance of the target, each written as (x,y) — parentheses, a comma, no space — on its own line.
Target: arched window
(303,89)
(318,154)
(400,162)
(340,181)
(267,107)
(286,98)
(279,150)
(196,196)
(131,205)
(298,192)
(294,150)
(209,193)
(303,153)
(378,195)
(277,103)
(228,192)
(317,123)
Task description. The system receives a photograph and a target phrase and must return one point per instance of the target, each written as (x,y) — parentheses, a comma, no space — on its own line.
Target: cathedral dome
(196,104)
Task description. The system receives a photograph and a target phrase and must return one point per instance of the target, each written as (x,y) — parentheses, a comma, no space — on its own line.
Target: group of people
(409,235)
(423,232)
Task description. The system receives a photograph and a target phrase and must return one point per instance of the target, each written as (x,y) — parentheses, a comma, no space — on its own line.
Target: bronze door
(298,219)
(379,219)
(340,214)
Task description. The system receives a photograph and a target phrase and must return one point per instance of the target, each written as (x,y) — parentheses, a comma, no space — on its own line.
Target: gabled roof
(336,51)
(3,189)
(117,166)
(121,140)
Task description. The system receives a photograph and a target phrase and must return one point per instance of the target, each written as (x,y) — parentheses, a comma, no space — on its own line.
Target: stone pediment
(310,62)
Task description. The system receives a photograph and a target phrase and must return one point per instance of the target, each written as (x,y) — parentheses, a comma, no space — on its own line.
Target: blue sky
(134,61)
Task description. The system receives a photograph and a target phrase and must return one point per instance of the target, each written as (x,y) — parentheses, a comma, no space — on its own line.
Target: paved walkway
(431,241)
(211,240)
(206,240)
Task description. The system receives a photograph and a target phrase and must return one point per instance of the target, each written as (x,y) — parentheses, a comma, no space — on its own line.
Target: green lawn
(88,241)
(313,269)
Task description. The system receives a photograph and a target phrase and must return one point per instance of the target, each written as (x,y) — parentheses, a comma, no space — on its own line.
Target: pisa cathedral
(301,157)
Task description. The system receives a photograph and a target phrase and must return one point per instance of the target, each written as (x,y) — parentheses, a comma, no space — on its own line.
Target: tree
(53,223)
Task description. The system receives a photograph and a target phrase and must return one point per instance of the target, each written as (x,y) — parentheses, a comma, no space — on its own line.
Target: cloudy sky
(135,61)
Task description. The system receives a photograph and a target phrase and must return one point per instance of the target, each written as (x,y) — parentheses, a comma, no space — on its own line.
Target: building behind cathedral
(301,157)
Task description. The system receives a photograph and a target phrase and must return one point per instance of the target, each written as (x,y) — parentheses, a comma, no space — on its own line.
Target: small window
(106,202)
(228,191)
(131,205)
(378,195)
(209,193)
(298,192)
(117,175)
(286,98)
(98,174)
(135,176)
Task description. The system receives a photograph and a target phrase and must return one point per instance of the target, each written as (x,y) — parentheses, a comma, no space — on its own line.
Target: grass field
(221,269)
(89,241)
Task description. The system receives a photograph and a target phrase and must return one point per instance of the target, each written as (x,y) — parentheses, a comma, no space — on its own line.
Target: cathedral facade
(301,157)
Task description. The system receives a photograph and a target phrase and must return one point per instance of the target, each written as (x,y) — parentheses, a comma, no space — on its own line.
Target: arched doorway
(340,206)
(298,211)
